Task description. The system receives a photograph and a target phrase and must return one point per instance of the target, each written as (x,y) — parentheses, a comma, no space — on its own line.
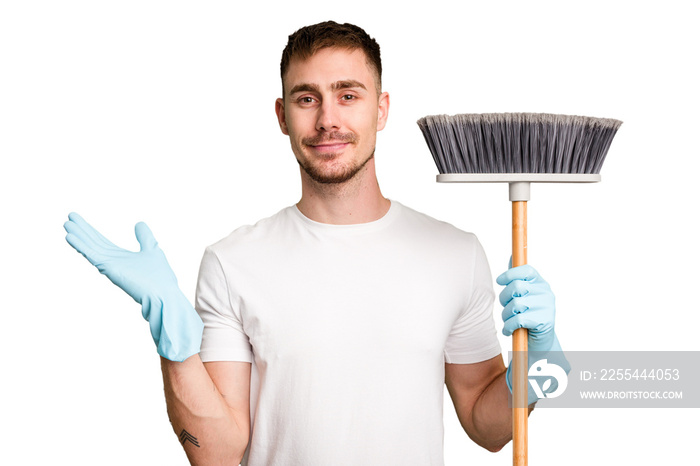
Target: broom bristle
(518,142)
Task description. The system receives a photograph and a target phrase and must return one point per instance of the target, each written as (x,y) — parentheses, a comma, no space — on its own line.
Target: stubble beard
(339,175)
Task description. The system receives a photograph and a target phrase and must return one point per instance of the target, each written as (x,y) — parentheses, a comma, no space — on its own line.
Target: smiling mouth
(329,146)
(330,142)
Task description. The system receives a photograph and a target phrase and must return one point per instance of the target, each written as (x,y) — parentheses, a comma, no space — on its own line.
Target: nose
(328,117)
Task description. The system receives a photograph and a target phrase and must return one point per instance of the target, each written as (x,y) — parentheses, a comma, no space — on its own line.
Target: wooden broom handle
(519,369)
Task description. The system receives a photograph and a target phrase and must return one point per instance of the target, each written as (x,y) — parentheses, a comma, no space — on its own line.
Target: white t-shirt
(348,328)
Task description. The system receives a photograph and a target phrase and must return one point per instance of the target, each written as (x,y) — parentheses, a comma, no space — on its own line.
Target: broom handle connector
(519,191)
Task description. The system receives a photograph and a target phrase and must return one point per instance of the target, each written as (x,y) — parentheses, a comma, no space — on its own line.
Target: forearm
(208,429)
(491,421)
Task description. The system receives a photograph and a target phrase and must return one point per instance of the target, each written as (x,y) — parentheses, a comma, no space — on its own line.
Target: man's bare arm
(209,408)
(480,395)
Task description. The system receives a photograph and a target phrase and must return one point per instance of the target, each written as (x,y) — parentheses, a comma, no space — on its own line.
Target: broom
(518,148)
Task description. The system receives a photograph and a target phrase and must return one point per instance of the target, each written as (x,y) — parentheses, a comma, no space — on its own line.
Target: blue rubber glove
(146,277)
(528,302)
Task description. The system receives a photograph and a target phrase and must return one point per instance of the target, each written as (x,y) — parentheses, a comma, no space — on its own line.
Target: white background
(163,112)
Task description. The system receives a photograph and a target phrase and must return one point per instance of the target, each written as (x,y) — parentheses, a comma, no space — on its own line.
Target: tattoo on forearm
(187,437)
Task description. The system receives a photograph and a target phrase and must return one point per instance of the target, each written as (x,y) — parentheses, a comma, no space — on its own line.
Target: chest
(335,302)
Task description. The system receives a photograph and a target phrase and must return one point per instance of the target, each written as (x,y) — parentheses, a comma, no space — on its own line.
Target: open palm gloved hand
(147,277)
(528,302)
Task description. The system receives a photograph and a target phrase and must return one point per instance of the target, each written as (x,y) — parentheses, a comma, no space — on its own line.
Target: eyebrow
(347,84)
(336,86)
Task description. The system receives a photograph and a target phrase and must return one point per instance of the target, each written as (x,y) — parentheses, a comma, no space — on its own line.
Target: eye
(306,100)
(348,97)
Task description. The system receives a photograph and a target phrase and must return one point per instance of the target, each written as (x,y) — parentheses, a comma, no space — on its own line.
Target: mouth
(329,147)
(330,143)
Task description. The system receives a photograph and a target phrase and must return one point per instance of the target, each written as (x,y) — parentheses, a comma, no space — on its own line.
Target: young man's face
(332,111)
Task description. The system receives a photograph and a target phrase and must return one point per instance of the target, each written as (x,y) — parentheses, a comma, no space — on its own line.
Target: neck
(358,200)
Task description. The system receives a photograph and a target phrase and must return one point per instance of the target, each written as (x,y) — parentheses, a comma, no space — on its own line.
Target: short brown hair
(308,40)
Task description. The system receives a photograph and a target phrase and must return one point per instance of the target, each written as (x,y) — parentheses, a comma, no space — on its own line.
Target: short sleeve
(473,336)
(223,338)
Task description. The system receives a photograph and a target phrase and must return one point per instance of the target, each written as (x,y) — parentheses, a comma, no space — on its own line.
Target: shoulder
(247,235)
(430,227)
(444,246)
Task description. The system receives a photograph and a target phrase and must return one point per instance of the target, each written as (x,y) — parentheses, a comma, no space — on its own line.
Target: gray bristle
(518,142)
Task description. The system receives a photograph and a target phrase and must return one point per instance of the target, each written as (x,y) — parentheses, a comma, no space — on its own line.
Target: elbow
(493,445)
(495,448)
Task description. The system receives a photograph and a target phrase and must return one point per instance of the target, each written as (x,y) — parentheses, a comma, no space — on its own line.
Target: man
(328,330)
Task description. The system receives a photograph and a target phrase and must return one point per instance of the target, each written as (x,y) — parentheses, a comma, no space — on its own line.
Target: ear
(281,118)
(383,112)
